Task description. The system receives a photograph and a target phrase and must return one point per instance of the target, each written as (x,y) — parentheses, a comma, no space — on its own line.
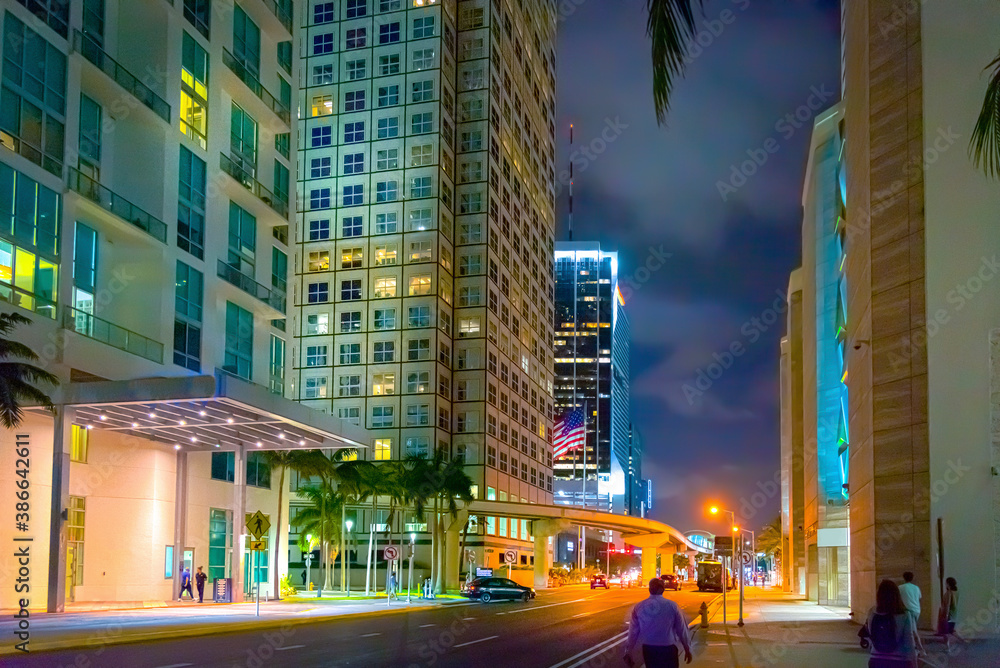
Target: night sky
(654,191)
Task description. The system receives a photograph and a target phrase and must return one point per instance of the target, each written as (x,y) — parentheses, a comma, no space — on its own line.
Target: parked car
(671,581)
(598,581)
(489,589)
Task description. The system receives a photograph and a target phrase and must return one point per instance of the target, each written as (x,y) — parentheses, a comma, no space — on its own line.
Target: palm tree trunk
(461,549)
(277,535)
(343,548)
(324,556)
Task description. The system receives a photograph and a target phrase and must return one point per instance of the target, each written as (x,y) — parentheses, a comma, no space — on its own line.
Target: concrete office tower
(591,369)
(146,153)
(423,286)
(815,443)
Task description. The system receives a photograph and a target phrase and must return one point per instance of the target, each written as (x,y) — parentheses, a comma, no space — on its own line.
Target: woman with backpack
(890,629)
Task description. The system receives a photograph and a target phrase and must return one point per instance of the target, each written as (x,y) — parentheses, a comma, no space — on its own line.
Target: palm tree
(318,518)
(671,25)
(315,463)
(18,379)
(352,477)
(282,460)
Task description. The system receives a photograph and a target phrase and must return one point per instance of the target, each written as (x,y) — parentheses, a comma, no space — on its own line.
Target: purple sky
(653,191)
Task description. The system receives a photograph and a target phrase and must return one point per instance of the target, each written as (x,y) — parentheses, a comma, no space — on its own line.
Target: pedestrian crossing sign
(258,524)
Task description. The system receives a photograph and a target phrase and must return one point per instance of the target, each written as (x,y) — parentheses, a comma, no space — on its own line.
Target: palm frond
(669,25)
(984,147)
(9,348)
(11,321)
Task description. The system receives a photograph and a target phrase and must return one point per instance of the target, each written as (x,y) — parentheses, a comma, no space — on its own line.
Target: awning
(206,412)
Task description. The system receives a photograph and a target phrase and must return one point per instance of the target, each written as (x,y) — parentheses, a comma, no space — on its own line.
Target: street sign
(391,553)
(222,590)
(510,556)
(258,524)
(259,545)
(746,558)
(484,572)
(724,546)
(470,556)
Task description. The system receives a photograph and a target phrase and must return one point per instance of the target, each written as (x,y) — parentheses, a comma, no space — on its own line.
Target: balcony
(93,52)
(247,181)
(234,276)
(116,204)
(111,334)
(281,13)
(27,300)
(247,77)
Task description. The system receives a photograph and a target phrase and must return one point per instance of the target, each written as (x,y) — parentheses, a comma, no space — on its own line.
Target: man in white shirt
(910,593)
(658,625)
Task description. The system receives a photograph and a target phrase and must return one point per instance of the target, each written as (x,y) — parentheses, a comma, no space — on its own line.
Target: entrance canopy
(206,412)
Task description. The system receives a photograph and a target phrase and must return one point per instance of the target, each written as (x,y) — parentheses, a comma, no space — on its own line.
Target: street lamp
(350,525)
(409,581)
(715,510)
(308,557)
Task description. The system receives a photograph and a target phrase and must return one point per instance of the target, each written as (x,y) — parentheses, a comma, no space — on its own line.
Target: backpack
(883,633)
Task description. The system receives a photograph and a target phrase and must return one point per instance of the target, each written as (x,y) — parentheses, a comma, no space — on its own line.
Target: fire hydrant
(703,611)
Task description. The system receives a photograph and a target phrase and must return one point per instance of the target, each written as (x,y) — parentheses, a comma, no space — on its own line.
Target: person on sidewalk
(199,581)
(658,625)
(948,614)
(891,630)
(910,593)
(186,584)
(392,585)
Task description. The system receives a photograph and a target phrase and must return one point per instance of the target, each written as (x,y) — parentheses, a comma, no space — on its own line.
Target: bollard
(703,611)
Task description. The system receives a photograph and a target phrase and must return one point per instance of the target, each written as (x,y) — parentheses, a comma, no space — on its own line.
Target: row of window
(388,96)
(326,12)
(357,38)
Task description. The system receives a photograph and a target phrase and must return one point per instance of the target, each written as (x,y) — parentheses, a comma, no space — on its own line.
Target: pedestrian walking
(891,630)
(948,614)
(303,576)
(392,585)
(186,584)
(658,626)
(910,593)
(199,581)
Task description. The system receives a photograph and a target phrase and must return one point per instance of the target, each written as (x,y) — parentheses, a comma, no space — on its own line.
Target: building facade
(422,282)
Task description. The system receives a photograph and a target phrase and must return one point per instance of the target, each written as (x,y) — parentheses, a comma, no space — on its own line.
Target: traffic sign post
(391,553)
(510,556)
(257,525)
(746,558)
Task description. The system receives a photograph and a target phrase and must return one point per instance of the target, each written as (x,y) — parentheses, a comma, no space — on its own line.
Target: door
(511,589)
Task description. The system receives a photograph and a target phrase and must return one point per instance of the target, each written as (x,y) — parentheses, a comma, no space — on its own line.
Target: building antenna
(571,182)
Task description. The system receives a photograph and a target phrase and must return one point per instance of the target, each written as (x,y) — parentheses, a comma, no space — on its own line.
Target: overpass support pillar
(648,564)
(541,531)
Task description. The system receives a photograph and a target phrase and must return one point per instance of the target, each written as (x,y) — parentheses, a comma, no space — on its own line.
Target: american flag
(569,433)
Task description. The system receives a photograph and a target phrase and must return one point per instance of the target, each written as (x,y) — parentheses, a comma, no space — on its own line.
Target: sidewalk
(97,628)
(783,630)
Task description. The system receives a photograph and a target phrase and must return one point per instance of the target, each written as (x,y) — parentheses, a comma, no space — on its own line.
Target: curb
(695,624)
(86,643)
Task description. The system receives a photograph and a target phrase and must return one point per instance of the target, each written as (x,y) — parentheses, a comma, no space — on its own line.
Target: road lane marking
(282,649)
(601,646)
(424,626)
(539,607)
(469,619)
(306,612)
(588,659)
(370,635)
(473,642)
(584,614)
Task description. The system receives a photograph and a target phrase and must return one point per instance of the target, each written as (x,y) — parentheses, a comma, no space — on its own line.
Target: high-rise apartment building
(591,371)
(422,289)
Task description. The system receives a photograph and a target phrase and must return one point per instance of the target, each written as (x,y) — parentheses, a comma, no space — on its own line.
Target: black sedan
(671,581)
(499,589)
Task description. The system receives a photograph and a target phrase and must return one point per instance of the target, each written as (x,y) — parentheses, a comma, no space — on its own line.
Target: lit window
(385,287)
(382,449)
(420,285)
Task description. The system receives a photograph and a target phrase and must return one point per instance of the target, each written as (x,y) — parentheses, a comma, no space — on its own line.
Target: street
(559,629)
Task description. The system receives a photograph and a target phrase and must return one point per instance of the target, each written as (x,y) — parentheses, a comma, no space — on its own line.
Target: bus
(710,575)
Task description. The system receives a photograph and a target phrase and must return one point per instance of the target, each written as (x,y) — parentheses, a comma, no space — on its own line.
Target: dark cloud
(650,190)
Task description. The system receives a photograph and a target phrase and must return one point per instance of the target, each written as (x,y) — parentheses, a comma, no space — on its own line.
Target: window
(354,100)
(417,416)
(353,195)
(242,240)
(468,327)
(421,123)
(386,191)
(418,349)
(382,416)
(246,41)
(321,137)
(389,5)
(319,261)
(319,293)
(384,351)
(350,258)
(350,290)
(420,219)
(352,415)
(317,323)
(385,318)
(470,265)
(319,230)
(419,316)
(420,285)
(350,353)
(385,254)
(319,198)
(388,65)
(417,446)
(322,44)
(385,223)
(354,132)
(420,186)
(471,141)
(356,69)
(198,13)
(351,226)
(470,296)
(191,204)
(418,382)
(388,33)
(357,38)
(79,444)
(423,59)
(385,286)
(470,203)
(382,449)
(422,91)
(421,155)
(388,127)
(470,171)
(350,321)
(188,293)
(354,163)
(316,388)
(423,27)
(357,8)
(223,466)
(324,12)
(321,168)
(388,96)
(238,358)
(322,75)
(316,356)
(387,159)
(349,386)
(194,91)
